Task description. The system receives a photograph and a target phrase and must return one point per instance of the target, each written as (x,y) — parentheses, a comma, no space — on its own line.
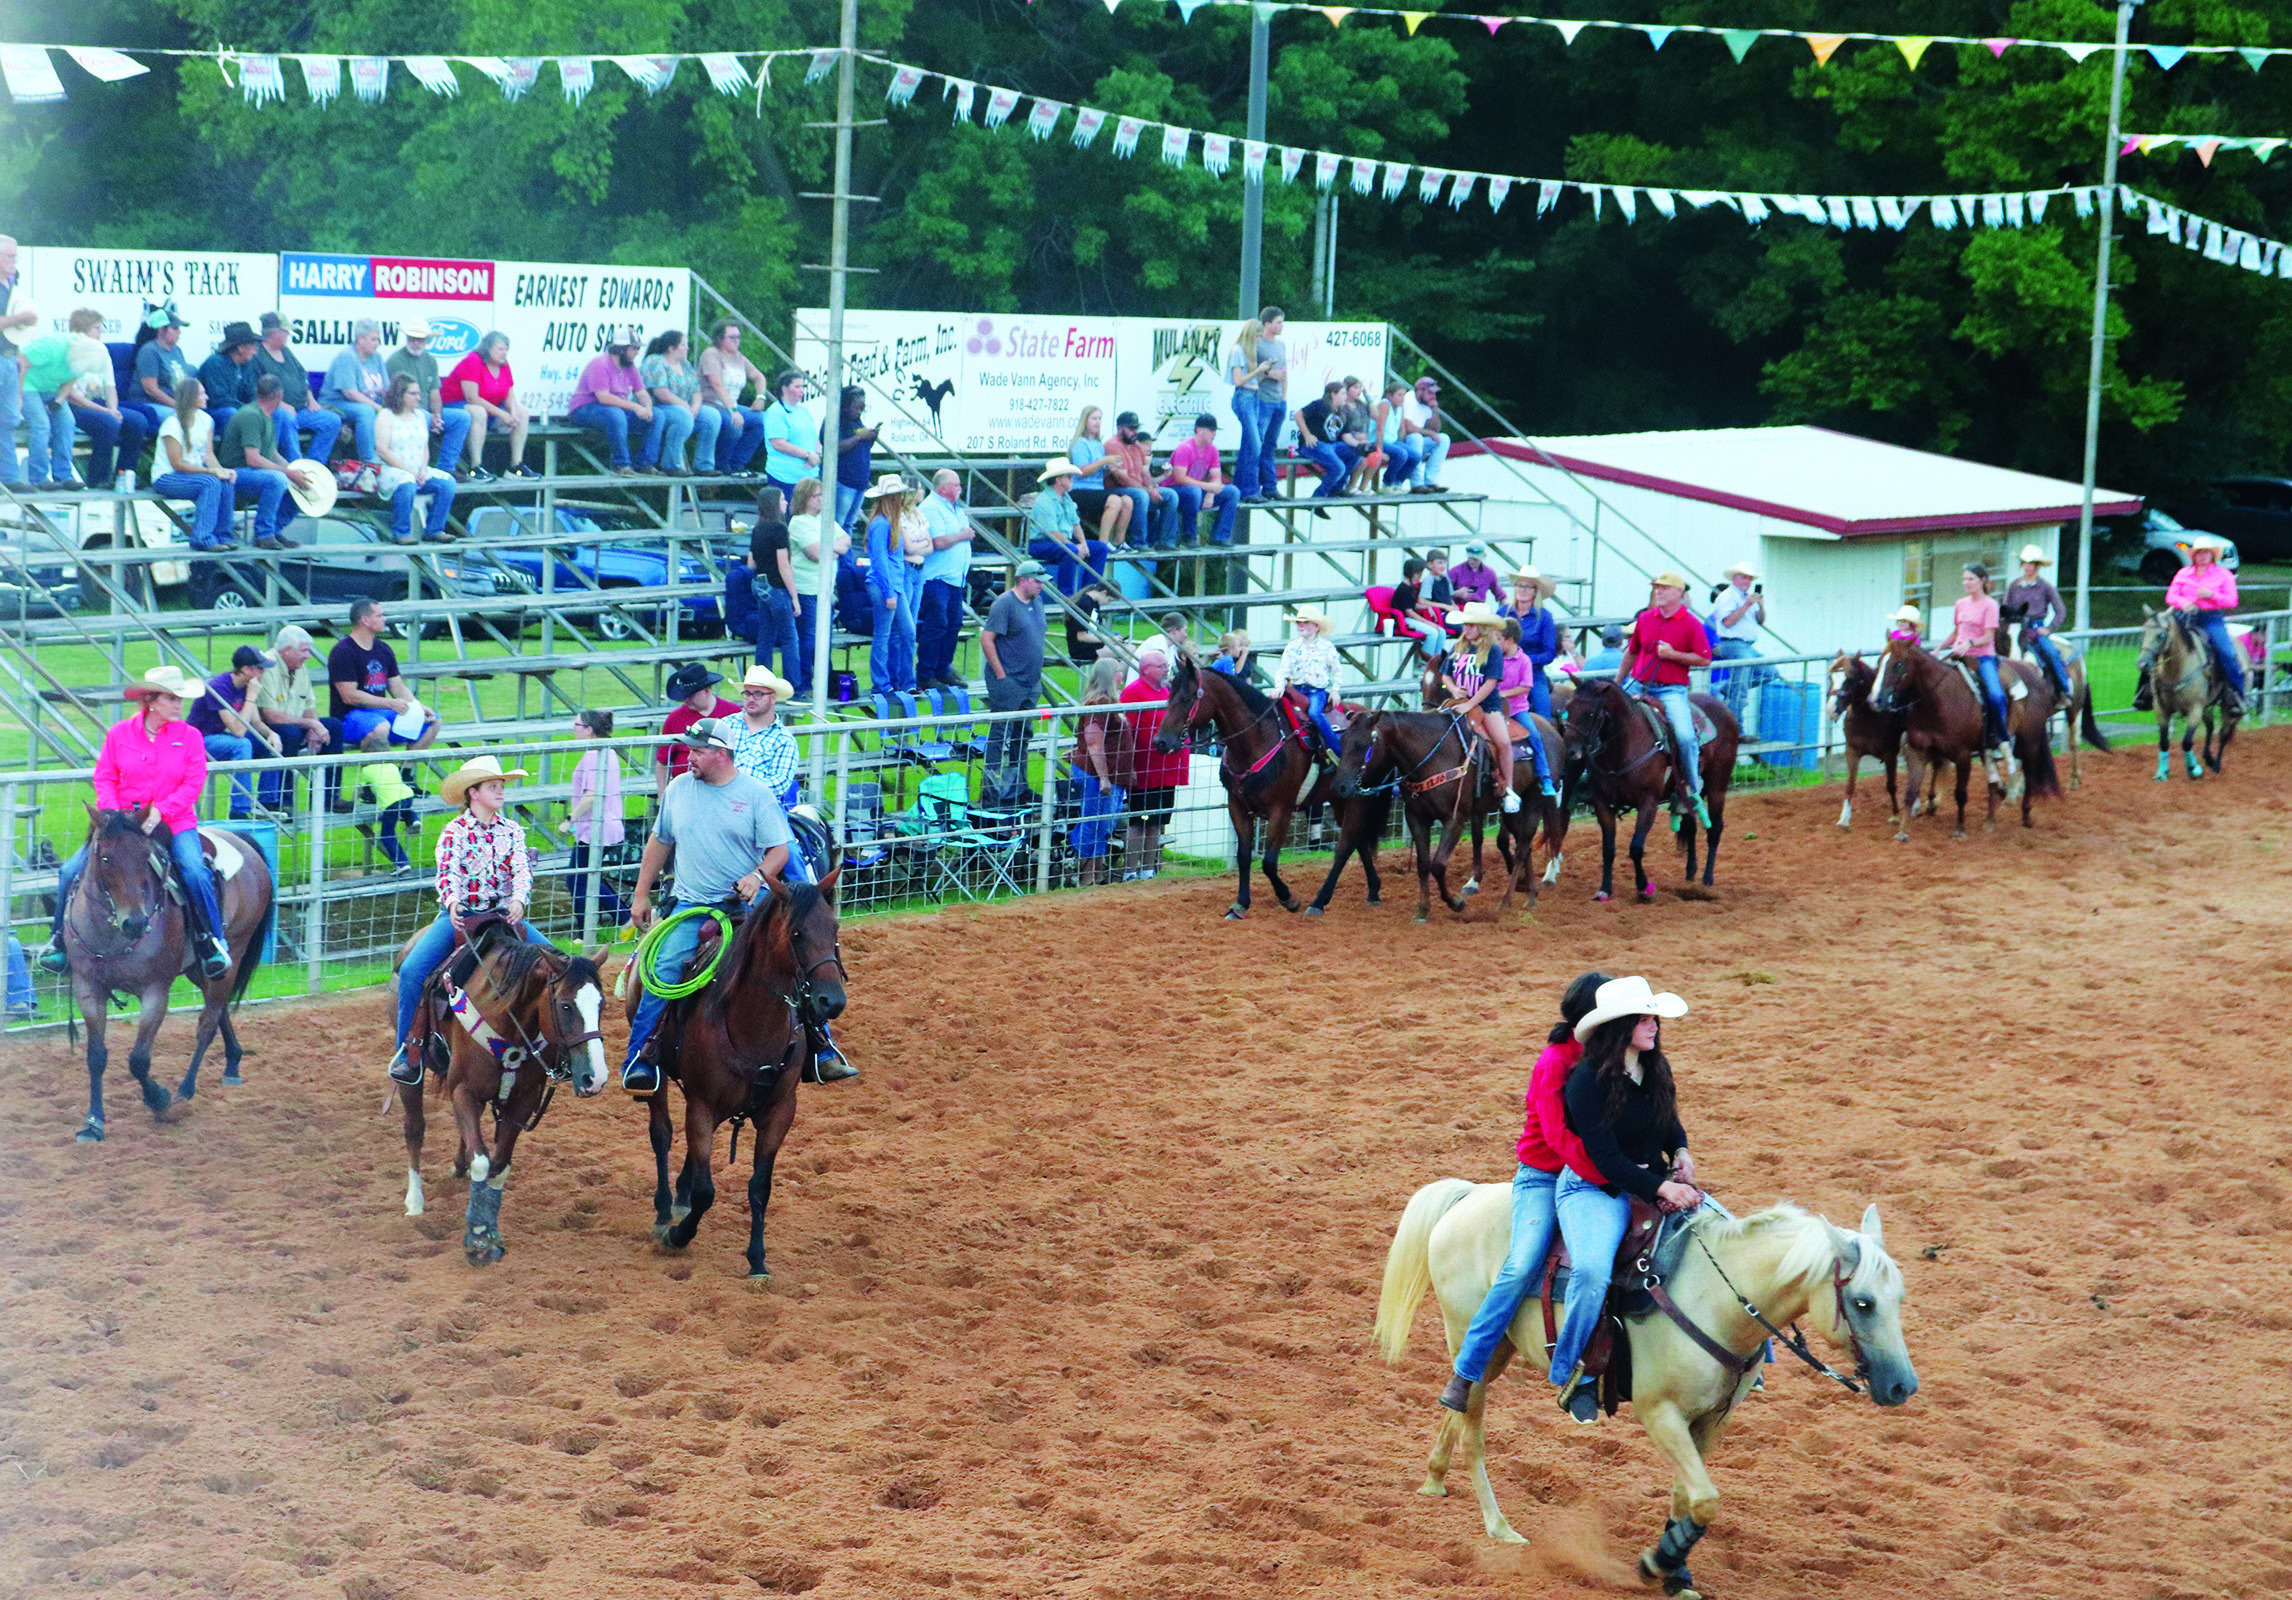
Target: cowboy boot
(1458,1395)
(1581,1399)
(828,1064)
(55,958)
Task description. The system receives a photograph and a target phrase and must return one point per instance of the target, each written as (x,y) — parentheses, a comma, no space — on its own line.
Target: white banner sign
(208,288)
(559,318)
(997,384)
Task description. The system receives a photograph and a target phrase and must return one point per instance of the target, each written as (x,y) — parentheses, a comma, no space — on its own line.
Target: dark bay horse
(737,1050)
(2184,684)
(1942,723)
(543,1006)
(1266,770)
(126,935)
(1616,763)
(1444,780)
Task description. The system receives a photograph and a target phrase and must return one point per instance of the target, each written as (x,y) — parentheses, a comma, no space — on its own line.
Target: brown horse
(2185,682)
(1265,770)
(542,1007)
(1868,732)
(126,934)
(1942,723)
(1617,763)
(1442,770)
(737,1050)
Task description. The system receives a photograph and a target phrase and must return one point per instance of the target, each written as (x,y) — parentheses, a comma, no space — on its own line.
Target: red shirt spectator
(692,687)
(1155,769)
(493,385)
(1681,630)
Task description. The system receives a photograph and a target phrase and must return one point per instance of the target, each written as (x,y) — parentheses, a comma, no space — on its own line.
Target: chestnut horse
(1867,732)
(1615,761)
(737,1049)
(126,934)
(1942,721)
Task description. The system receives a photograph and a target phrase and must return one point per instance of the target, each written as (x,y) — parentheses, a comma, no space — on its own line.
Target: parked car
(608,566)
(2150,543)
(2255,511)
(337,558)
(39,540)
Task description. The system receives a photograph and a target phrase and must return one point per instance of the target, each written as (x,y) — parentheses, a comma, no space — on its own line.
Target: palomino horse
(1442,771)
(2185,684)
(126,934)
(2076,707)
(1616,762)
(1942,723)
(538,1011)
(1785,1262)
(1265,770)
(738,1048)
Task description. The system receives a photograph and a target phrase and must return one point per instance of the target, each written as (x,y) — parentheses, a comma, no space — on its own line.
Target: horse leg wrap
(1678,1542)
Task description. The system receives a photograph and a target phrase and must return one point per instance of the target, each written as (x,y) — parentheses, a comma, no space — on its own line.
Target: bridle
(1794,1341)
(1894,703)
(91,883)
(1595,734)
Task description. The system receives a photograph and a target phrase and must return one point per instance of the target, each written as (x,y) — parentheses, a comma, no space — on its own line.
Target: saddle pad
(226,852)
(1660,724)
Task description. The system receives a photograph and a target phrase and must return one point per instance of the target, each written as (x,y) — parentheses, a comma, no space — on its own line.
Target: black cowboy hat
(690,679)
(236,334)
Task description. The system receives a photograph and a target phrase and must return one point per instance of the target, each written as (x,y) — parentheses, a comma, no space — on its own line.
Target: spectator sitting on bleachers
(188,469)
(245,446)
(288,705)
(116,434)
(1438,590)
(1361,431)
(693,688)
(855,454)
(1232,658)
(1176,637)
(357,386)
(366,690)
(48,418)
(1134,469)
(220,716)
(724,374)
(160,364)
(611,398)
(675,390)
(403,438)
(229,374)
(1054,530)
(386,782)
(1095,497)
(298,412)
(1473,579)
(1321,440)
(449,430)
(1084,642)
(482,385)
(1196,478)
(1409,598)
(1421,421)
(1609,658)
(762,748)
(1402,449)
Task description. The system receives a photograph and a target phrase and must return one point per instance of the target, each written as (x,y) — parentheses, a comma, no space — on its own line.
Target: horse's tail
(263,931)
(2091,728)
(2038,770)
(1408,1266)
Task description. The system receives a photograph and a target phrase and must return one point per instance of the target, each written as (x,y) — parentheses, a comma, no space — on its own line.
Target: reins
(1794,1341)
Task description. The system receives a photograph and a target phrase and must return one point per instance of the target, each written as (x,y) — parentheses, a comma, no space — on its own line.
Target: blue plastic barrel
(1791,713)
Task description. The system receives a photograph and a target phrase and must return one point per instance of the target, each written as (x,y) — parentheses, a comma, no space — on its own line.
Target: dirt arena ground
(1074,1286)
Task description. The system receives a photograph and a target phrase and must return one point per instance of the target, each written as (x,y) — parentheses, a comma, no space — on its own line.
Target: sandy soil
(1074,1287)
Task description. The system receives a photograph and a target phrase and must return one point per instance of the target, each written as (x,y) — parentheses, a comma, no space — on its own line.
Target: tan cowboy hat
(167,680)
(1061,468)
(889,483)
(2209,541)
(2030,552)
(763,677)
(314,498)
(1530,575)
(1909,614)
(1628,997)
(1319,619)
(1741,569)
(1669,580)
(1475,612)
(476,770)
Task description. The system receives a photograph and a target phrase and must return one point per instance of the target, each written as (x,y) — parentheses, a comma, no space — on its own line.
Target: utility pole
(832,400)
(1253,189)
(2107,212)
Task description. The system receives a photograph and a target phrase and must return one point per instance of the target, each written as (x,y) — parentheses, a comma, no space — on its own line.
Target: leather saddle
(1659,723)
(1652,1243)
(1293,712)
(430,1040)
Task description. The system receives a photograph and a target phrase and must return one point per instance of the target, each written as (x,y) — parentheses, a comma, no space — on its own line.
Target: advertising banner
(997,384)
(208,288)
(560,317)
(323,297)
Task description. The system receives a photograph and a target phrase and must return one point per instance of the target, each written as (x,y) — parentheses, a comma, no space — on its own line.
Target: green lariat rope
(649,946)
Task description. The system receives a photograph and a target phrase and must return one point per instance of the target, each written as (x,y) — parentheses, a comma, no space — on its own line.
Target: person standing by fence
(1013,643)
(598,824)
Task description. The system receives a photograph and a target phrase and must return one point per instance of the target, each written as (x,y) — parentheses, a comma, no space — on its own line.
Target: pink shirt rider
(1975,617)
(2211,587)
(1517,685)
(136,769)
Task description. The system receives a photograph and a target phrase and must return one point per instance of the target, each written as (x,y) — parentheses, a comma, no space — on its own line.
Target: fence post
(314,914)
(843,779)
(10,797)
(1050,789)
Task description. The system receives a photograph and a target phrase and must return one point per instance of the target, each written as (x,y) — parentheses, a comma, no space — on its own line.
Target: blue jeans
(11,413)
(891,653)
(1996,709)
(210,498)
(427,956)
(190,867)
(235,747)
(807,642)
(938,624)
(1533,1222)
(1433,455)
(1260,422)
(452,435)
(49,426)
(324,427)
(1161,508)
(268,490)
(848,503)
(1336,462)
(616,424)
(675,950)
(276,782)
(776,631)
(577,885)
(1535,743)
(2214,626)
(1069,568)
(1402,458)
(107,434)
(439,486)
(1317,708)
(361,419)
(1593,1222)
(1101,803)
(1740,680)
(398,814)
(1225,500)
(666,443)
(2047,651)
(741,437)
(1673,698)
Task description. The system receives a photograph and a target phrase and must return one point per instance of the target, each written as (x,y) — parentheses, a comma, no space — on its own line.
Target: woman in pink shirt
(2204,592)
(1974,627)
(153,765)
(597,820)
(1546,1145)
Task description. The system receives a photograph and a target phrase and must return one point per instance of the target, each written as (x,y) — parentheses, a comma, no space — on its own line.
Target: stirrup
(404,1068)
(56,959)
(829,1065)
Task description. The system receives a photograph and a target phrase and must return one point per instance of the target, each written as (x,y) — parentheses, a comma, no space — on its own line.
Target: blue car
(611,566)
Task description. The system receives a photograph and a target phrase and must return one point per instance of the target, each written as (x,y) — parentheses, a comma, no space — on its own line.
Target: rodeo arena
(1222,906)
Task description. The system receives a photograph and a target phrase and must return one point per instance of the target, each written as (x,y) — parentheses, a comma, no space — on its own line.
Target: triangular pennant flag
(2078,52)
(1699,198)
(2205,149)
(1943,212)
(2167,56)
(1993,210)
(1396,175)
(1498,188)
(524,72)
(1493,23)
(823,62)
(1044,118)
(1336,14)
(1460,190)
(2133,144)
(370,77)
(1324,170)
(1998,47)
(1739,40)
(1364,175)
(1126,132)
(964,92)
(1187,8)
(2264,148)
(1264,13)
(1753,207)
(2255,58)
(1253,160)
(1110,5)
(492,66)
(2161,220)
(2081,201)
(31,76)
(904,83)
(1413,20)
(1891,213)
(1824,46)
(1000,104)
(1835,213)
(1217,153)
(1566,30)
(1656,36)
(2014,205)
(1864,211)
(321,77)
(1087,122)
(2037,204)
(577,75)
(1913,49)
(1176,142)
(1627,202)
(1291,159)
(260,80)
(109,65)
(1594,191)
(1429,187)
(433,74)
(1661,200)
(639,70)
(725,71)
(1547,196)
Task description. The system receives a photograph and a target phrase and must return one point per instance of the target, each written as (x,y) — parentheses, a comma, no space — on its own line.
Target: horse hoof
(760,1278)
(1472,886)
(156,1096)
(1293,905)
(91,1131)
(186,1090)
(483,1255)
(1236,913)
(1314,911)
(1647,895)
(1423,917)
(1376,900)
(678,1213)
(1601,898)
(231,1079)
(1508,1535)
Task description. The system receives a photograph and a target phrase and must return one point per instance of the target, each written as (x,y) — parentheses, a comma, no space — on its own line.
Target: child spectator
(385,784)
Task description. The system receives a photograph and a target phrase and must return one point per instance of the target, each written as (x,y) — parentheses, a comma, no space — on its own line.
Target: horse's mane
(105,823)
(510,959)
(1255,701)
(1811,1248)
(748,938)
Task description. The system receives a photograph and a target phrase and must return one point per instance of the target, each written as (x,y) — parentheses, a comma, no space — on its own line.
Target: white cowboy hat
(1531,575)
(314,498)
(1668,580)
(1741,569)
(889,483)
(763,677)
(476,770)
(1061,468)
(2030,552)
(1317,618)
(1909,614)
(2209,541)
(1628,997)
(167,680)
(1475,612)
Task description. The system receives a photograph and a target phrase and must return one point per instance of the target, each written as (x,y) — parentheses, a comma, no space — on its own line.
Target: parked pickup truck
(597,564)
